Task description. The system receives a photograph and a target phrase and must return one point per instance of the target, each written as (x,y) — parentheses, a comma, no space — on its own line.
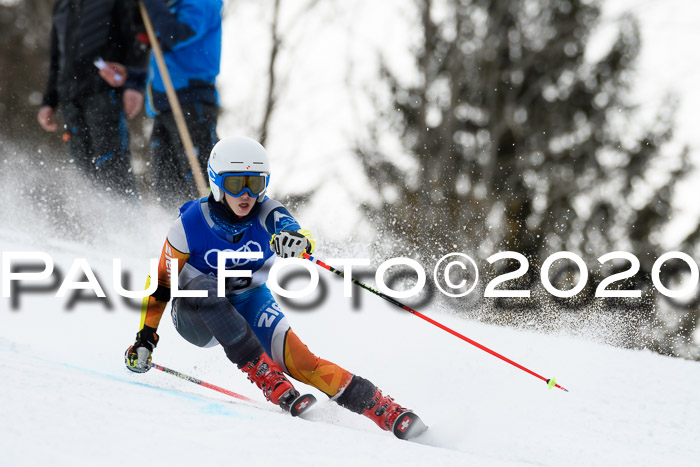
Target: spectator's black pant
(97,139)
(172,174)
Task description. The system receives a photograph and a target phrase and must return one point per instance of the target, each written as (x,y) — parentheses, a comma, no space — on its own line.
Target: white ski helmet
(240,156)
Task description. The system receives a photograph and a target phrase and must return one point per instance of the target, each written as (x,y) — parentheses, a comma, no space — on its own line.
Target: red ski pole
(551,382)
(194,380)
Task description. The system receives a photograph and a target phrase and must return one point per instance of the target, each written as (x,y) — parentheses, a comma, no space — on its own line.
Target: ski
(408,426)
(301,404)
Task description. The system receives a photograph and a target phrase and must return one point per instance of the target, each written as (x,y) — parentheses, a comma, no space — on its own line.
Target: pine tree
(514,139)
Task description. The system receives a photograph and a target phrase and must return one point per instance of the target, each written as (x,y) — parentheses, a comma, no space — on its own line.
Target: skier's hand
(133,102)
(47,118)
(138,356)
(290,244)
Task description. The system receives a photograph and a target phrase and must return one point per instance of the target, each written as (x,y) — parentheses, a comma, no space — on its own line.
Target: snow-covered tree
(514,137)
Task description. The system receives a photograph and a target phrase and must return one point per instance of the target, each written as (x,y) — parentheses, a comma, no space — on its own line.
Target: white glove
(290,244)
(138,356)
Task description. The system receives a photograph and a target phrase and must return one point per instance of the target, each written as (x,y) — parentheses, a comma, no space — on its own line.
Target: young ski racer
(247,322)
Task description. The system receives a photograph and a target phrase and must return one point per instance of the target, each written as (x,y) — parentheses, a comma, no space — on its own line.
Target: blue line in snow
(213,408)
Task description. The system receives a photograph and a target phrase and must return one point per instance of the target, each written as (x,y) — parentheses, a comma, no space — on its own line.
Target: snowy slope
(66,398)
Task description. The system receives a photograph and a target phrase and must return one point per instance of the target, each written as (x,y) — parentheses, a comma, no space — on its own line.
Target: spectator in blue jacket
(189,32)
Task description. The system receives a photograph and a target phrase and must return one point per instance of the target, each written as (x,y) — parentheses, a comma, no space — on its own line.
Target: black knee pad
(190,325)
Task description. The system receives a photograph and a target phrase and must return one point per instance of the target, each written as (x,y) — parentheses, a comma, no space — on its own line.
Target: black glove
(290,244)
(138,356)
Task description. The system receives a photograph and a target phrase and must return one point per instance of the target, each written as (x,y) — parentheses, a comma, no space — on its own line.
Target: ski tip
(408,426)
(301,404)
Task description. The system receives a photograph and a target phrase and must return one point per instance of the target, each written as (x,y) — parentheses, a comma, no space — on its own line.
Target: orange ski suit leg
(306,367)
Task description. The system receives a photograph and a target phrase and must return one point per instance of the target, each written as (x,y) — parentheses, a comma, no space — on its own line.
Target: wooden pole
(174,104)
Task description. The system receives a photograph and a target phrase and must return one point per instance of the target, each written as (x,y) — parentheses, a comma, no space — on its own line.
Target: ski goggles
(236,184)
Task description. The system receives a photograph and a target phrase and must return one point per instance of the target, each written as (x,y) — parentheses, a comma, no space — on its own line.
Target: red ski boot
(276,388)
(390,416)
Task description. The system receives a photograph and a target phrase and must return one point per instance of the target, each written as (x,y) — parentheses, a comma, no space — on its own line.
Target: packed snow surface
(67,398)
